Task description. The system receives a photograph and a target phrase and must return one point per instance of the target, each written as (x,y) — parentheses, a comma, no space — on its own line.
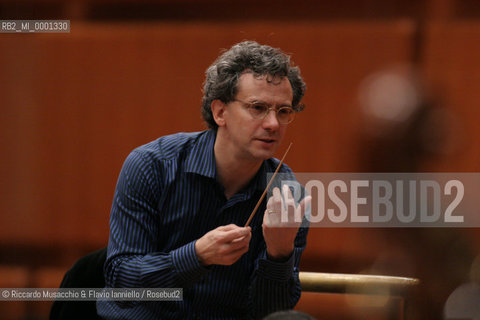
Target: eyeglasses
(259,110)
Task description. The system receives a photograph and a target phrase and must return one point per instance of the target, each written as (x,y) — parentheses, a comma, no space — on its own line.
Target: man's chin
(264,154)
(262,151)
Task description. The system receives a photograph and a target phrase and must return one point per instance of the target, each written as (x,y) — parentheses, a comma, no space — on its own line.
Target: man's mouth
(266,140)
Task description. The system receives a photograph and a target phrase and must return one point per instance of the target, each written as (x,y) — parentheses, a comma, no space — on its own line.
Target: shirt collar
(201,158)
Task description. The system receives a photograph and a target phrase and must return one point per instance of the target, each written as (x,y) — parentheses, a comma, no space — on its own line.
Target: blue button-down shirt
(167,196)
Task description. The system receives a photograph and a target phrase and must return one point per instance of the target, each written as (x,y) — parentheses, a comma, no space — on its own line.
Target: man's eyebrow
(268,104)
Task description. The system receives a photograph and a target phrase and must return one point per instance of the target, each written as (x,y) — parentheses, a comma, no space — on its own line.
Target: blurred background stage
(74,105)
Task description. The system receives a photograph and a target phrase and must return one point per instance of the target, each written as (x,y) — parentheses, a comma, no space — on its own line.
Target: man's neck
(233,173)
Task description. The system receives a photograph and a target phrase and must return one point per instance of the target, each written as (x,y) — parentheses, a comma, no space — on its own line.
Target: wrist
(199,255)
(279,256)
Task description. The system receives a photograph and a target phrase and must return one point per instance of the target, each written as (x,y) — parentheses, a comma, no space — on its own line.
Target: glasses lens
(285,115)
(258,110)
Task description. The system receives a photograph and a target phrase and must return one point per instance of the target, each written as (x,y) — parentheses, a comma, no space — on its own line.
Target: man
(182,201)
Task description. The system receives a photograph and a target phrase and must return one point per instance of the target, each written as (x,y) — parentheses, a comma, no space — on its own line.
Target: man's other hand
(223,245)
(281,221)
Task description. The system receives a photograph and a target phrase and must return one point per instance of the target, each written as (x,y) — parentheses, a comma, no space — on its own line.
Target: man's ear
(218,112)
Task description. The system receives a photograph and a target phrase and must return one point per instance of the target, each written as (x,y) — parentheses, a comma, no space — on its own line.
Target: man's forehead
(264,86)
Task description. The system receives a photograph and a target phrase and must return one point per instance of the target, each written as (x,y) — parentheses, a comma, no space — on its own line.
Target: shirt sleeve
(275,285)
(134,257)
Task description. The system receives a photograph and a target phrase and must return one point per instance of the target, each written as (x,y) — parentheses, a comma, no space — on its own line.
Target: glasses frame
(249,105)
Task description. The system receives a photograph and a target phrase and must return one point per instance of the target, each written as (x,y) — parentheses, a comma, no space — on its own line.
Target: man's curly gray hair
(248,56)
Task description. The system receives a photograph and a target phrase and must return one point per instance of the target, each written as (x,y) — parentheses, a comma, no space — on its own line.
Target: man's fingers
(231,232)
(237,240)
(246,238)
(227,227)
(300,210)
(270,203)
(236,253)
(230,252)
(238,232)
(277,200)
(238,243)
(287,193)
(276,193)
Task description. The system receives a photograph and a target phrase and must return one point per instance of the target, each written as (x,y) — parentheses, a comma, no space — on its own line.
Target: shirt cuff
(274,270)
(186,264)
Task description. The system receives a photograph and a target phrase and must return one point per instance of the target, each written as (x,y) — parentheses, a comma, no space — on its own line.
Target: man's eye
(259,108)
(285,111)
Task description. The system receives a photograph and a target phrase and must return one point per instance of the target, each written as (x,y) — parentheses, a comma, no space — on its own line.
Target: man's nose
(270,121)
